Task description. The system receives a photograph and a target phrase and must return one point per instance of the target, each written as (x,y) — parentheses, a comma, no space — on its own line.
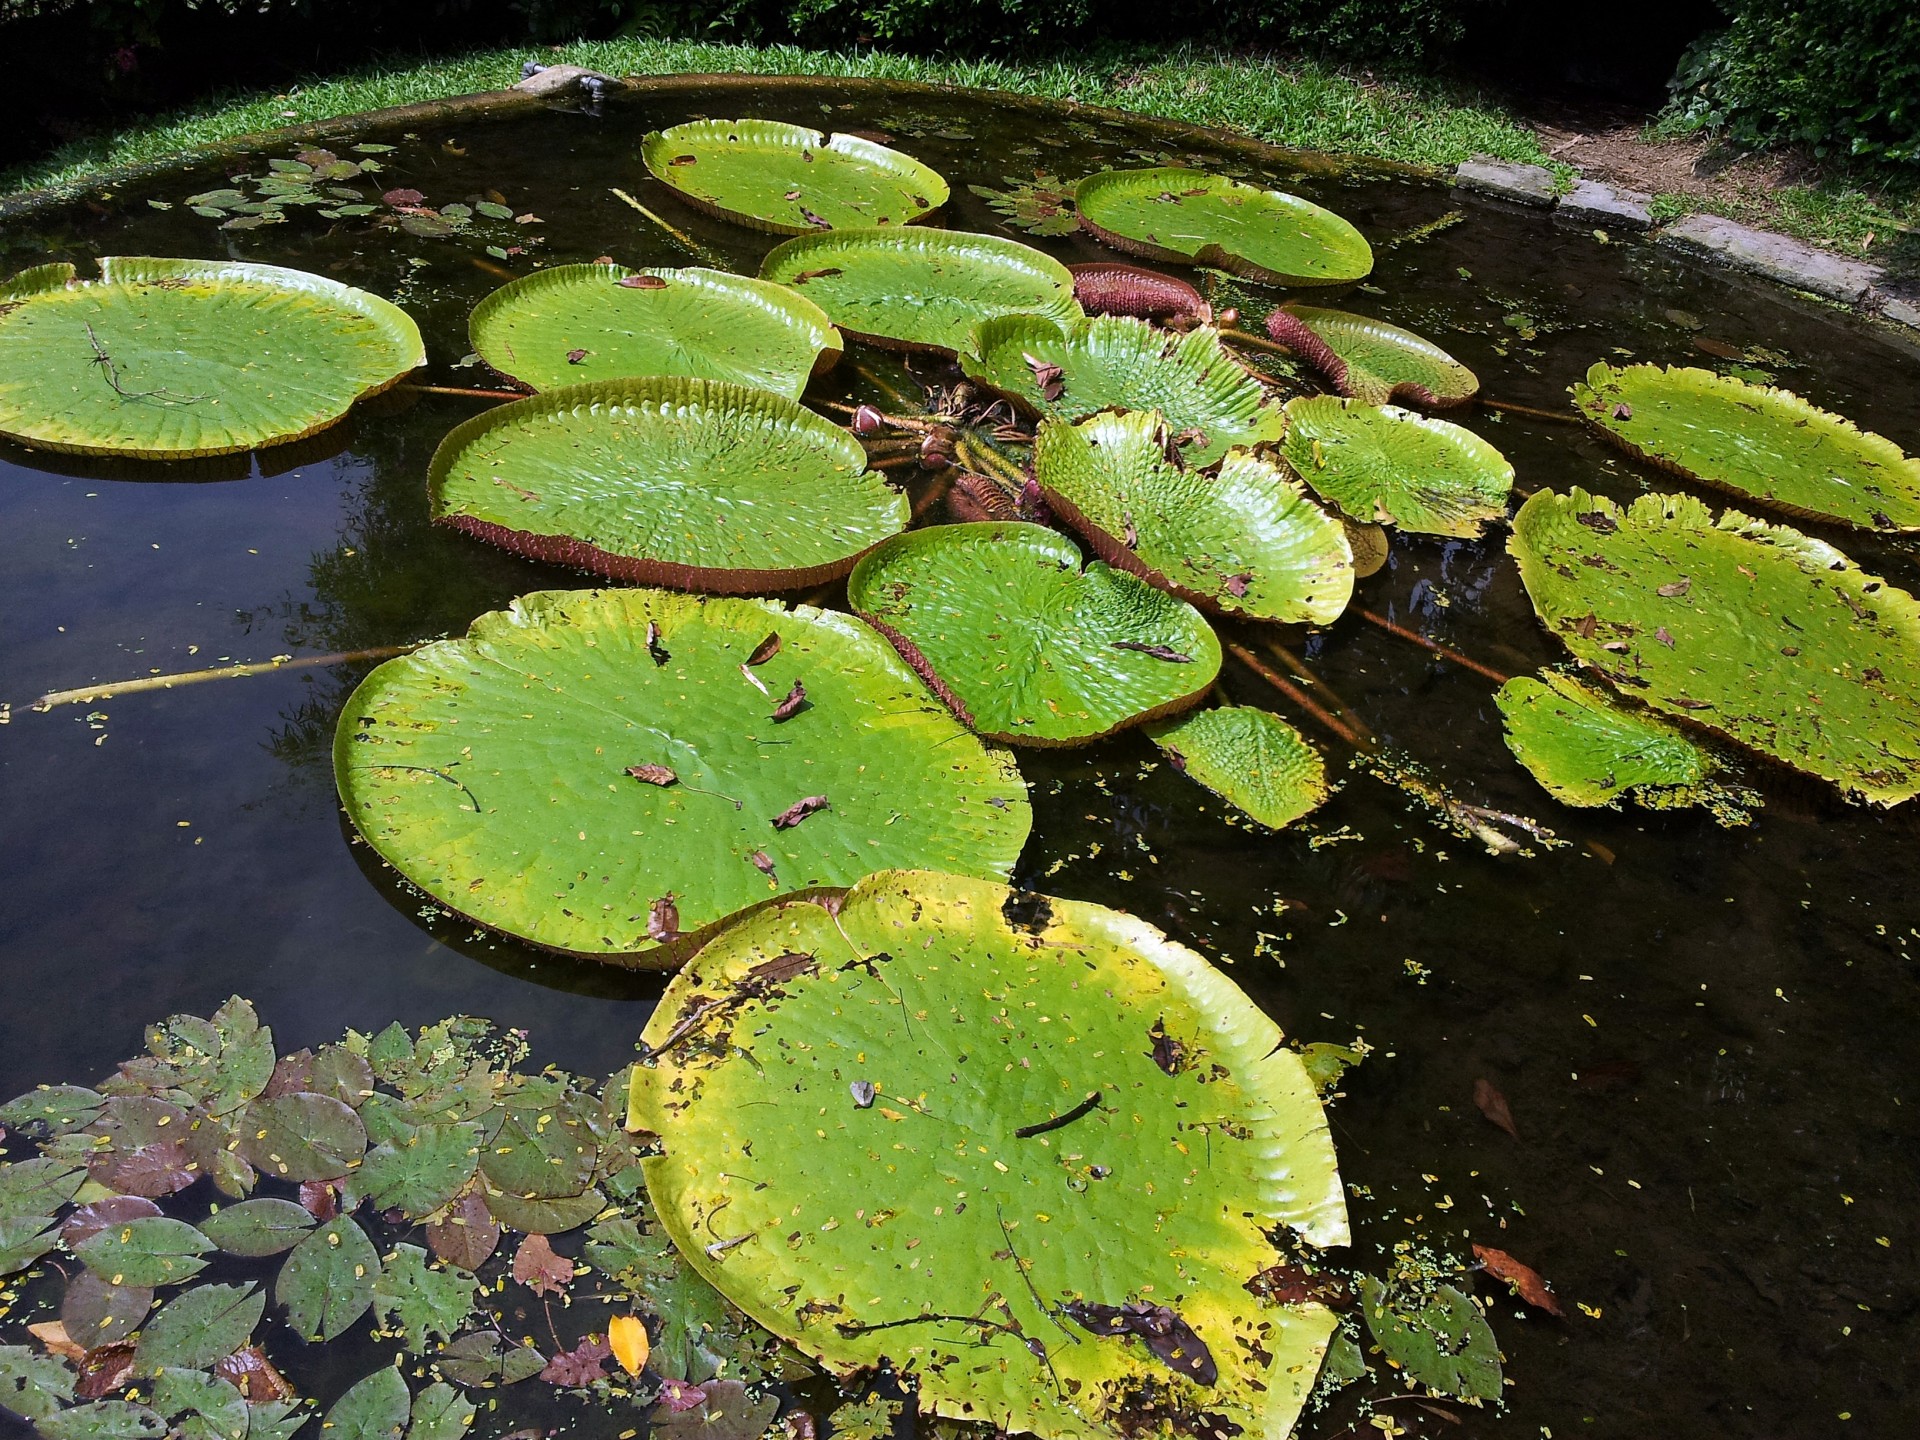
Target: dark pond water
(1706,1036)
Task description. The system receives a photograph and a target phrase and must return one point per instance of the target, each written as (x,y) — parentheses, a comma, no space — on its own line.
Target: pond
(1704,1034)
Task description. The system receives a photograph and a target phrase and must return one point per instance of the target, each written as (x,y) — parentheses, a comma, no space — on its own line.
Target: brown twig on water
(1507,407)
(1445,652)
(463,391)
(1234,336)
(224,672)
(677,233)
(1306,677)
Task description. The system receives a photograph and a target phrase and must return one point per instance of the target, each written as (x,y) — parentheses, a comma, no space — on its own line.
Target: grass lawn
(1291,102)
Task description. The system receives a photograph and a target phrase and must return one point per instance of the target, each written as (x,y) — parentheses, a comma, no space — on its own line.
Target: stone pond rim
(1898,314)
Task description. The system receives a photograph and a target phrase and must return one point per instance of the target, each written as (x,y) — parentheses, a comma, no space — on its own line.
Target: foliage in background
(1843,78)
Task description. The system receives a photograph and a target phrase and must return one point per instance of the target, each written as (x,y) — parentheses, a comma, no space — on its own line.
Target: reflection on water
(1704,1035)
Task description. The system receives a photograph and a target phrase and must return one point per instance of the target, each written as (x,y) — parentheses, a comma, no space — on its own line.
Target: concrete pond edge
(1713,238)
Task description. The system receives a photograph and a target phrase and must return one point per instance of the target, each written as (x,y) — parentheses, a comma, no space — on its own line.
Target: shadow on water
(1705,1035)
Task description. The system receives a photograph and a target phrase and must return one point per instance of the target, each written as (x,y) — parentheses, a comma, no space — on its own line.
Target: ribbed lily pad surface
(1167,213)
(1370,360)
(494,771)
(921,289)
(1767,636)
(950,1125)
(579,323)
(789,179)
(1768,445)
(1113,362)
(1022,643)
(1250,758)
(1387,465)
(1588,749)
(170,359)
(1248,541)
(668,481)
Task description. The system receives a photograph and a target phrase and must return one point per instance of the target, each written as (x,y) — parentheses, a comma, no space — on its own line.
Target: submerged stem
(1444,651)
(1507,407)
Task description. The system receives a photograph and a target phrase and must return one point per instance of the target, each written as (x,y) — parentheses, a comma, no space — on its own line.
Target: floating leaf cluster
(1040,206)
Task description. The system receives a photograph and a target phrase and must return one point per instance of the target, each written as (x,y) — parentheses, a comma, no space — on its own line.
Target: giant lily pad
(1023,644)
(1588,749)
(1251,758)
(601,771)
(1168,213)
(690,483)
(1371,360)
(1029,1150)
(1381,463)
(1112,362)
(576,323)
(168,359)
(921,289)
(789,179)
(1767,636)
(1248,541)
(1768,445)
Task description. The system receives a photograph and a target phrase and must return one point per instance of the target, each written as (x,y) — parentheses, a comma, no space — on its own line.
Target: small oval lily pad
(574,324)
(607,773)
(1370,360)
(1766,444)
(170,359)
(1209,401)
(788,179)
(1246,541)
(667,481)
(1250,758)
(1168,213)
(1385,465)
(1588,749)
(921,289)
(1022,643)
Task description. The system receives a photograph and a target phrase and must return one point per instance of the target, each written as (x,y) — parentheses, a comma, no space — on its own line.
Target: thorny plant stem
(224,672)
(1306,677)
(933,495)
(673,230)
(902,401)
(987,461)
(463,391)
(1235,336)
(899,422)
(1292,691)
(1507,407)
(1445,652)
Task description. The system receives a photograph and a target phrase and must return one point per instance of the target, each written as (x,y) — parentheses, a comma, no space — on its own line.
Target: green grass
(1287,102)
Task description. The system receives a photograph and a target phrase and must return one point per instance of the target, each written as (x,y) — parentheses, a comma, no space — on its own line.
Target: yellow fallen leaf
(628,1337)
(53,1335)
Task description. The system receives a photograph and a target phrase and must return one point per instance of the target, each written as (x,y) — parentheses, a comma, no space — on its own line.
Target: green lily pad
(146,1252)
(921,289)
(946,1127)
(103,1420)
(439,1413)
(24,1239)
(1757,632)
(375,1408)
(1382,464)
(1250,758)
(199,1327)
(1022,643)
(258,1227)
(545,1151)
(423,1171)
(37,1187)
(665,480)
(302,1136)
(1247,541)
(543,1216)
(789,179)
(1107,362)
(97,1312)
(1167,213)
(1588,749)
(327,1280)
(493,772)
(32,1385)
(1441,1340)
(416,1300)
(52,1110)
(168,359)
(1765,444)
(577,323)
(1370,360)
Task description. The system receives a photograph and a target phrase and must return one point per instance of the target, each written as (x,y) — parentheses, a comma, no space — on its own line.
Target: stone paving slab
(1522,184)
(1778,257)
(1591,203)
